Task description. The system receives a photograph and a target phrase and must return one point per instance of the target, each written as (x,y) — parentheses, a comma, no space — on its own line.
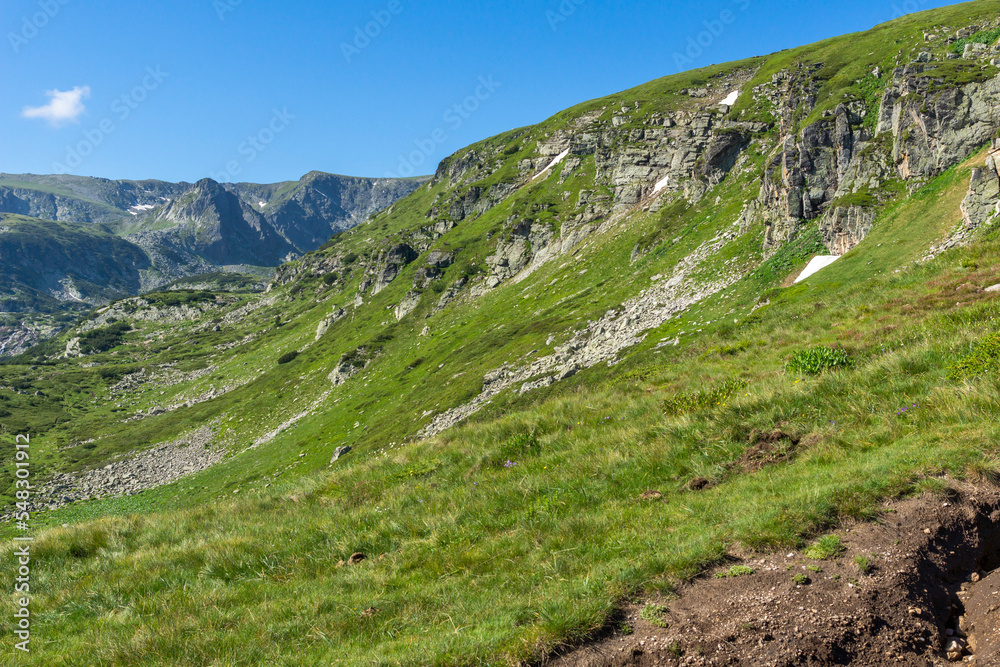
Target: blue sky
(250,90)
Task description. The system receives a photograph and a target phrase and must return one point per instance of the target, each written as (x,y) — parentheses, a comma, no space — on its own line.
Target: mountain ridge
(175,230)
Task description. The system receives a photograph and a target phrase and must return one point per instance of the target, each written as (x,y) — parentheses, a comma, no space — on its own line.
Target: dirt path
(928,590)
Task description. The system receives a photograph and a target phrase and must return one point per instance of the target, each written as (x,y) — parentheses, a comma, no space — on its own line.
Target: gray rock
(982,203)
(339,452)
(441,259)
(391,263)
(407,305)
(327,322)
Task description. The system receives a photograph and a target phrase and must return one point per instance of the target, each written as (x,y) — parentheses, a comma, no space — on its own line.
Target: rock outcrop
(390,264)
(982,204)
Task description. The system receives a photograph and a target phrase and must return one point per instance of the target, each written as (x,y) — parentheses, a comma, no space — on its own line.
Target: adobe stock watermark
(566,9)
(454,117)
(22,544)
(32,25)
(363,36)
(223,7)
(254,145)
(121,108)
(714,29)
(908,7)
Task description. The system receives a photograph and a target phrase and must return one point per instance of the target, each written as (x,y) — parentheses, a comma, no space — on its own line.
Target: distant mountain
(171,230)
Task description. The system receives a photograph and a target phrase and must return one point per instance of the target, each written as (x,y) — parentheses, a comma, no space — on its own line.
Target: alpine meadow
(705,372)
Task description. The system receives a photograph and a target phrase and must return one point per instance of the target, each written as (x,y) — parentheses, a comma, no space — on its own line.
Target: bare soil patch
(930,586)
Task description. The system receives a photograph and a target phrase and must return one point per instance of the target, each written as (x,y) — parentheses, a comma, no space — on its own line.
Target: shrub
(288,357)
(350,258)
(825,548)
(818,359)
(102,340)
(330,278)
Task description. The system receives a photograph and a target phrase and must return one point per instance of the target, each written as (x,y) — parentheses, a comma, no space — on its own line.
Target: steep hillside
(561,379)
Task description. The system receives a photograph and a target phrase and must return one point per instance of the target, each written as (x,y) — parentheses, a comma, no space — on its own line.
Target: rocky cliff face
(813,162)
(211,222)
(982,204)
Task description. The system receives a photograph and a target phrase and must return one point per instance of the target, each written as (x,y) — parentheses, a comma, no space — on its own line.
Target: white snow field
(818,263)
(559,158)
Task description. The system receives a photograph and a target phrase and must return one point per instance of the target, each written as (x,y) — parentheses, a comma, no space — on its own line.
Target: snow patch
(262,204)
(731,98)
(660,184)
(818,263)
(141,208)
(559,158)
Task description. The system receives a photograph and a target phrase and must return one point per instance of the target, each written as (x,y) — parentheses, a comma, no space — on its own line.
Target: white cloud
(63,107)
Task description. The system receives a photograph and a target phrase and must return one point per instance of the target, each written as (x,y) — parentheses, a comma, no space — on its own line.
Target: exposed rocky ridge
(17,338)
(82,199)
(169,231)
(837,170)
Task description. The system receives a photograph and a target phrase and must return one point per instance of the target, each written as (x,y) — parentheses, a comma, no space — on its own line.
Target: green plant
(814,568)
(981,37)
(800,579)
(825,548)
(864,564)
(655,614)
(983,359)
(735,571)
(818,359)
(705,398)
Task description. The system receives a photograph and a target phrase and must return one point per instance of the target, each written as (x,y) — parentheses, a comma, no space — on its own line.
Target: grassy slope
(483,561)
(472,559)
